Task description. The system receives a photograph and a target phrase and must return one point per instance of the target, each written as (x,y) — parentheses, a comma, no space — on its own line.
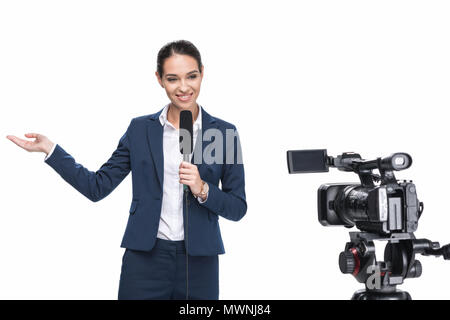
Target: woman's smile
(184,97)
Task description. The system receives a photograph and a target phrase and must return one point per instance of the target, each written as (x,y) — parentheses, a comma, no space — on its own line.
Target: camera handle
(382,277)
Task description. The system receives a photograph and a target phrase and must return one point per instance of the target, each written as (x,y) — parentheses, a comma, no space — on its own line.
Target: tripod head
(382,277)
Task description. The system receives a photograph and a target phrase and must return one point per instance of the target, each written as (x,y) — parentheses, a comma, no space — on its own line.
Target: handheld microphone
(186,135)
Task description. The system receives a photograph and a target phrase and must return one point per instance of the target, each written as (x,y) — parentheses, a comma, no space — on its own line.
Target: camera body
(379,204)
(379,209)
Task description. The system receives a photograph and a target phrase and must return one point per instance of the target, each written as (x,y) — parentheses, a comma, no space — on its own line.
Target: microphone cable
(186,192)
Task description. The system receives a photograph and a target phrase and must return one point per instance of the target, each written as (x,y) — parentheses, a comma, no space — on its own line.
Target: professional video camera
(382,208)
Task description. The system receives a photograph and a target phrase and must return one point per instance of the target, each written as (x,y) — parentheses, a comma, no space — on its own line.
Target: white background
(364,76)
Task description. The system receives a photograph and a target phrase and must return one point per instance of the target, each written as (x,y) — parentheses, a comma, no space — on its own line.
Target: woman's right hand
(40,144)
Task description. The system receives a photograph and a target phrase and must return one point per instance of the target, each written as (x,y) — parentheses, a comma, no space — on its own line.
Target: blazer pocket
(133,206)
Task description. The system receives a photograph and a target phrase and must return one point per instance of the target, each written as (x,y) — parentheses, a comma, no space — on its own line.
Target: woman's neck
(173,115)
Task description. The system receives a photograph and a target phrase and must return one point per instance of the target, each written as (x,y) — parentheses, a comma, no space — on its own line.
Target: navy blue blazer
(140,150)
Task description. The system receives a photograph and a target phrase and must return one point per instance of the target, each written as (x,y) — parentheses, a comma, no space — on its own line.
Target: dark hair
(177,47)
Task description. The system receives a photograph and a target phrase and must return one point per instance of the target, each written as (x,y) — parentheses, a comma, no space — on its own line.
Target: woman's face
(181,79)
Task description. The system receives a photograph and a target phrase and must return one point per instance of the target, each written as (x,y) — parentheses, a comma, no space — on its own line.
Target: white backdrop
(364,76)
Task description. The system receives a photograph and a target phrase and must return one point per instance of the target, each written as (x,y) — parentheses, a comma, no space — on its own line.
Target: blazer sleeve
(93,185)
(230,202)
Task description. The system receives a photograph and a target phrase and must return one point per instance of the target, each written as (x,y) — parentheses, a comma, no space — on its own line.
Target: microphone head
(186,132)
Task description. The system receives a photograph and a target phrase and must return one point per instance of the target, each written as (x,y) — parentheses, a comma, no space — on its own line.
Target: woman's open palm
(40,144)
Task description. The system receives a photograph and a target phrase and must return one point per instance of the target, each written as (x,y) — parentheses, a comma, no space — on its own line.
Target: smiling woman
(161,261)
(180,73)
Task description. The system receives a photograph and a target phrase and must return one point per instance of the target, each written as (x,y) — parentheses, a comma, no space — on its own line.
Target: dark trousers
(161,274)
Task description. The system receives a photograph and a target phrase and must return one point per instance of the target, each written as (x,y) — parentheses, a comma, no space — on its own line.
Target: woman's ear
(159,79)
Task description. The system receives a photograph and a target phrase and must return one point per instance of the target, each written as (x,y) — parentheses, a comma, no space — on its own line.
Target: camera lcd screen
(307,161)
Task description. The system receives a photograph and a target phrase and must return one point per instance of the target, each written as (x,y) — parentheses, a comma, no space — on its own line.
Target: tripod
(382,277)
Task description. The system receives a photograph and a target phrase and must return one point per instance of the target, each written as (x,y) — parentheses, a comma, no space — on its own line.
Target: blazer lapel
(208,122)
(155,141)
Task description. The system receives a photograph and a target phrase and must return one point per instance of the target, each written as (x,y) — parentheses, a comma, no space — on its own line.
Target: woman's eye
(193,77)
(171,79)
